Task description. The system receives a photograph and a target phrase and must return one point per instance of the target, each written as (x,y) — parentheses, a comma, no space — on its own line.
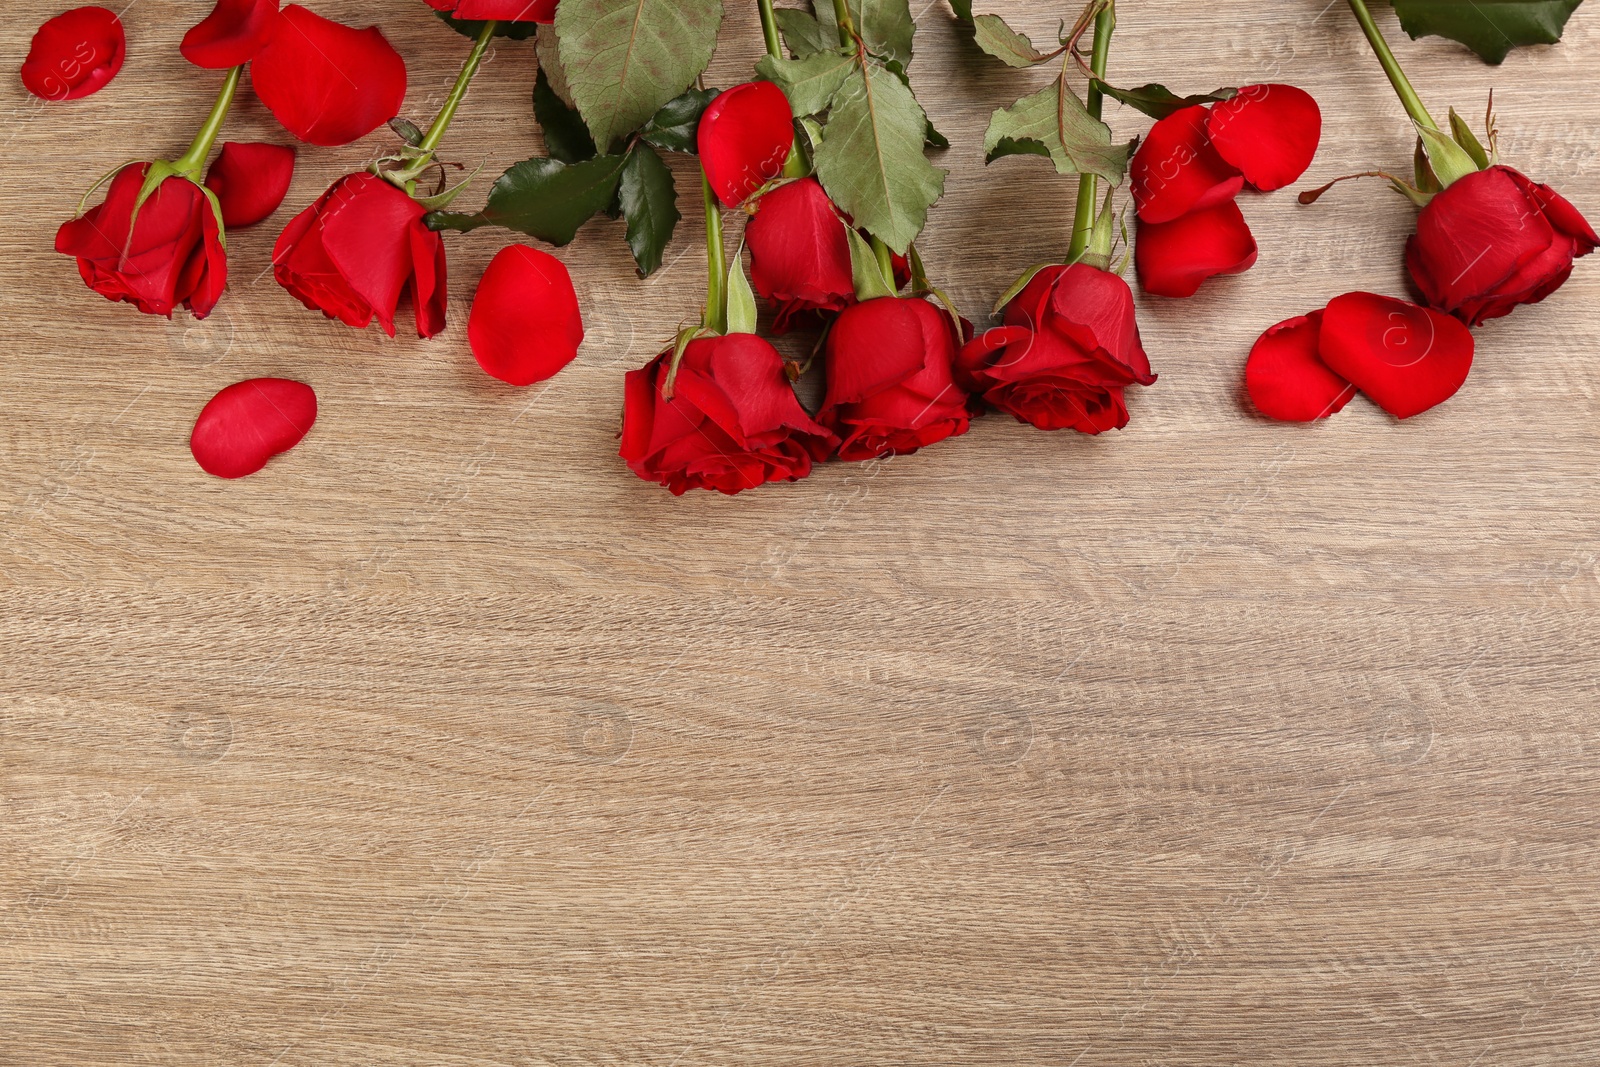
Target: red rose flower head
(800,252)
(1493,241)
(500,10)
(1408,359)
(1286,377)
(525,323)
(250,422)
(1174,258)
(732,423)
(891,383)
(1069,348)
(74,54)
(352,253)
(235,32)
(328,83)
(173,254)
(745,137)
(250,181)
(1177,170)
(1269,132)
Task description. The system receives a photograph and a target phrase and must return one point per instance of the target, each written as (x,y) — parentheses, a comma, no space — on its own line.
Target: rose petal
(745,137)
(75,54)
(250,181)
(1269,132)
(1287,379)
(1406,358)
(1173,258)
(1177,170)
(499,10)
(235,32)
(328,83)
(250,422)
(525,323)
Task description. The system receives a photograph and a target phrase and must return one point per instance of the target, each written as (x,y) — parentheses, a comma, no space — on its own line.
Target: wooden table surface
(446,741)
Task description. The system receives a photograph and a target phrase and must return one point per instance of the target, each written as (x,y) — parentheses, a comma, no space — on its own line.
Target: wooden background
(446,741)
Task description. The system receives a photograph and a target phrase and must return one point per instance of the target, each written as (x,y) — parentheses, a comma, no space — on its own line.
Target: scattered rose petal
(1173,258)
(1406,358)
(1270,132)
(525,324)
(75,54)
(235,32)
(500,10)
(745,137)
(328,83)
(250,181)
(1177,170)
(250,422)
(1287,379)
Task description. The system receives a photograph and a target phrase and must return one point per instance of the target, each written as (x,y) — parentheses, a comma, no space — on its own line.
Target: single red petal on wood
(328,83)
(1173,258)
(1406,358)
(235,32)
(745,137)
(250,422)
(1270,132)
(525,323)
(75,54)
(250,181)
(1177,170)
(1287,379)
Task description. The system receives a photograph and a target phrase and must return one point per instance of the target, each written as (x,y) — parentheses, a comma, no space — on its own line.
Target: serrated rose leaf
(810,83)
(1053,122)
(1491,28)
(886,27)
(544,198)
(1158,101)
(650,204)
(804,34)
(565,136)
(991,34)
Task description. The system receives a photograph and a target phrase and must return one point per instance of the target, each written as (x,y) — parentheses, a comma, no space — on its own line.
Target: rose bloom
(1068,349)
(733,421)
(891,384)
(351,254)
(173,256)
(1494,241)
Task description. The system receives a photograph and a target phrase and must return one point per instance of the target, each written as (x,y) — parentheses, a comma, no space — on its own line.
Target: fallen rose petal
(75,54)
(250,181)
(1177,170)
(1269,132)
(1287,379)
(235,32)
(327,83)
(500,10)
(1174,258)
(1408,359)
(250,422)
(525,324)
(745,137)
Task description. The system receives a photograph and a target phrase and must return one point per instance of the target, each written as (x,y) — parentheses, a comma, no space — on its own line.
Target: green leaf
(650,204)
(741,312)
(810,83)
(516,31)
(1053,122)
(676,127)
(804,34)
(624,59)
(1469,140)
(1007,45)
(1158,101)
(565,136)
(963,10)
(886,27)
(866,271)
(544,198)
(871,162)
(547,48)
(1491,28)
(930,136)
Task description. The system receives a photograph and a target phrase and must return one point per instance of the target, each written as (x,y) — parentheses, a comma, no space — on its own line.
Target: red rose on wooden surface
(891,384)
(250,181)
(1069,348)
(1493,241)
(74,54)
(525,324)
(800,252)
(357,249)
(733,422)
(250,422)
(745,136)
(173,256)
(499,10)
(235,32)
(328,83)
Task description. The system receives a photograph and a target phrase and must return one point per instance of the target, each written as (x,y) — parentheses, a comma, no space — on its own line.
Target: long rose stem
(195,158)
(769,29)
(1391,66)
(716,313)
(1088,188)
(458,92)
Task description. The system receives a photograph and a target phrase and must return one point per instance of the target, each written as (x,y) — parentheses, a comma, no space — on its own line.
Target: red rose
(352,253)
(499,10)
(733,422)
(1069,347)
(74,54)
(891,385)
(1493,241)
(174,255)
(800,252)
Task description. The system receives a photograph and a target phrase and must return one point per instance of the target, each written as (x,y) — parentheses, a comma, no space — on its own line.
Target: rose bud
(1069,347)
(500,10)
(352,253)
(891,387)
(1492,241)
(731,424)
(250,181)
(75,54)
(174,254)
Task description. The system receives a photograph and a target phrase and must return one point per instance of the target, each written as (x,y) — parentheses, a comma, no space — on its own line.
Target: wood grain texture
(446,741)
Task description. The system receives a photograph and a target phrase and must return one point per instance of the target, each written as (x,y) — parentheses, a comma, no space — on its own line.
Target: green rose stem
(1391,67)
(1105,23)
(795,166)
(190,163)
(847,25)
(447,113)
(715,318)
